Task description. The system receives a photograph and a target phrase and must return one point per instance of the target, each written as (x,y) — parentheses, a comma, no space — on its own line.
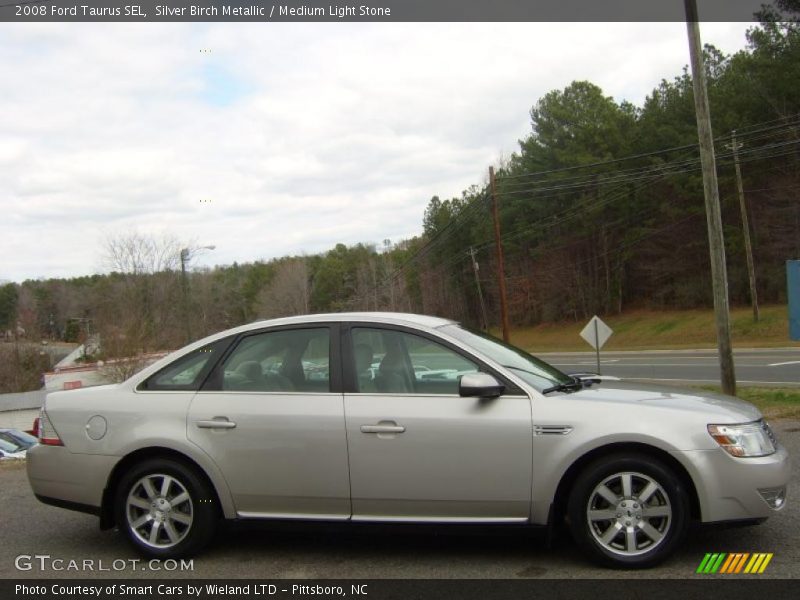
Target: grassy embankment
(674,330)
(663,330)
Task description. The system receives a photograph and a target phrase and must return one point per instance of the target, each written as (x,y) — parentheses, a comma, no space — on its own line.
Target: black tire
(184,526)
(628,533)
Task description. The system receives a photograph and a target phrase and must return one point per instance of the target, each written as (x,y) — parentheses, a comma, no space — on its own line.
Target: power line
(786,125)
(579,209)
(640,176)
(445,231)
(633,173)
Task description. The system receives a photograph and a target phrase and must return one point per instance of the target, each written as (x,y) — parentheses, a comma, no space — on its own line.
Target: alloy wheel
(159,510)
(629,513)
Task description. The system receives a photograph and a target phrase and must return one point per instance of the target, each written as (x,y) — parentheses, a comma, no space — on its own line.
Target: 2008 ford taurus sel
(396,417)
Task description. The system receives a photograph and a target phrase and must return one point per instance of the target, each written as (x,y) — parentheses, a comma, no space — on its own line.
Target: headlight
(745,440)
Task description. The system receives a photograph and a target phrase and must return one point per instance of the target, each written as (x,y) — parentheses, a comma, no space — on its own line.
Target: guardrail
(22,400)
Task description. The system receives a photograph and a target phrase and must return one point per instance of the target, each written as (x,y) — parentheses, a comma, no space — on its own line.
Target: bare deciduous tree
(141,308)
(136,253)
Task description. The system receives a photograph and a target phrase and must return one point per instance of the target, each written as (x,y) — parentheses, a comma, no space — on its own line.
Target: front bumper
(56,474)
(730,489)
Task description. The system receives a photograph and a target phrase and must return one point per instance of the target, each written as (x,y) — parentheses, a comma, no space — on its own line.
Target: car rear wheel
(166,509)
(628,511)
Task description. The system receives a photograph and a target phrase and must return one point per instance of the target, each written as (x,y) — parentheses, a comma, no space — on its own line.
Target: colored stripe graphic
(703,563)
(729,562)
(766,562)
(740,564)
(717,563)
(754,563)
(734,563)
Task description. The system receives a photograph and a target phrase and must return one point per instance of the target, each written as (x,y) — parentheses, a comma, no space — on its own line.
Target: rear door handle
(220,423)
(382,429)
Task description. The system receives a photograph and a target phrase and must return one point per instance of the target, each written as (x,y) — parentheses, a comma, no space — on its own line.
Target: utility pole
(716,244)
(501,271)
(748,247)
(185,256)
(475,268)
(185,295)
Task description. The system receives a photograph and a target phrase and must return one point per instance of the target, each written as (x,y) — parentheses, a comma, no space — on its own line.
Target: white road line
(761,352)
(791,362)
(602,362)
(787,383)
(675,357)
(655,365)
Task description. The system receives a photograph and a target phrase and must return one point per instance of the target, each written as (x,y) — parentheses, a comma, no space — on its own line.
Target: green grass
(774,403)
(664,326)
(651,330)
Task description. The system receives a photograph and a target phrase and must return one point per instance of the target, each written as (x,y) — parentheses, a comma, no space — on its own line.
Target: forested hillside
(601,210)
(602,207)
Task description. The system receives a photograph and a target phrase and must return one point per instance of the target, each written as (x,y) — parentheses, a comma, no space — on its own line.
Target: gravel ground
(28,527)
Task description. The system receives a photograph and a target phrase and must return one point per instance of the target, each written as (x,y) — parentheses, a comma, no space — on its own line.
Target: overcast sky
(278,138)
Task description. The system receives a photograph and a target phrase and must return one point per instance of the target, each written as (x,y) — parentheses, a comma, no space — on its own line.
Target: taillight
(35,429)
(47,433)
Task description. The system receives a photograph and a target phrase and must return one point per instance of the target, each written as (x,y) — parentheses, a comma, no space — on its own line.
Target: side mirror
(481,385)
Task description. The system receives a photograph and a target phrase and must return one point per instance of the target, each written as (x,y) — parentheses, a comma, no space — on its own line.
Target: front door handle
(382,429)
(219,423)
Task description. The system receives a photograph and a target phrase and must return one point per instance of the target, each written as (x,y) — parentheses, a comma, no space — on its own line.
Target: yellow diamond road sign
(596,332)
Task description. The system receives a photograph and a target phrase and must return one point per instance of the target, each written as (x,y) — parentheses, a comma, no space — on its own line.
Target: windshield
(533,371)
(21,438)
(10,446)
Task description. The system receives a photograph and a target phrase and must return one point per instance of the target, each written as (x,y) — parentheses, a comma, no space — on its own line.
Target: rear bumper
(731,489)
(59,477)
(84,508)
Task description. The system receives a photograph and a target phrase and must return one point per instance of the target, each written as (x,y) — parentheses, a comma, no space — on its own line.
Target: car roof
(375,317)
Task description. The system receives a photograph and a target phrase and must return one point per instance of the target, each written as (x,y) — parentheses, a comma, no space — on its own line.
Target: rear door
(272,417)
(419,451)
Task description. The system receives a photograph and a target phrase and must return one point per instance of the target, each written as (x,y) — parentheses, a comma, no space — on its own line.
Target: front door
(419,451)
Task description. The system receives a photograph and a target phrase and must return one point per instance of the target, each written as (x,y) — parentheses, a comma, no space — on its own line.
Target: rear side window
(294,360)
(187,372)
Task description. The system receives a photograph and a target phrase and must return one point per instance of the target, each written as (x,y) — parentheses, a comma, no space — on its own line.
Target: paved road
(28,527)
(754,367)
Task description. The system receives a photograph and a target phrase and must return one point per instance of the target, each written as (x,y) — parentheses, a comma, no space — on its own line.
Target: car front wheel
(166,509)
(628,511)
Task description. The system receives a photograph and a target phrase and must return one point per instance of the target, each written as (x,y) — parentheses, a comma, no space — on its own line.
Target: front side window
(395,362)
(295,360)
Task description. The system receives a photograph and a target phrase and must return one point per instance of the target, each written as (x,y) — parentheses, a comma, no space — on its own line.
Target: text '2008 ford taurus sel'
(399,418)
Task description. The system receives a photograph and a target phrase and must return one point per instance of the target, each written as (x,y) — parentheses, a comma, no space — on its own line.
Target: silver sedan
(401,418)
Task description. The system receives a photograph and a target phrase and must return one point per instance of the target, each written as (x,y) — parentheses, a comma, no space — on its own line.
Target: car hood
(726,409)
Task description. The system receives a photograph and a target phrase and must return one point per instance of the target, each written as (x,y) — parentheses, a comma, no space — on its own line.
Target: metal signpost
(596,333)
(793,293)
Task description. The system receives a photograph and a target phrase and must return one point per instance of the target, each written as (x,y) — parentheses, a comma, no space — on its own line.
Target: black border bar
(601,11)
(701,587)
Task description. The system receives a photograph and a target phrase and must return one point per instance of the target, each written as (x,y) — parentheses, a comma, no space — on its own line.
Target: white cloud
(300,135)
